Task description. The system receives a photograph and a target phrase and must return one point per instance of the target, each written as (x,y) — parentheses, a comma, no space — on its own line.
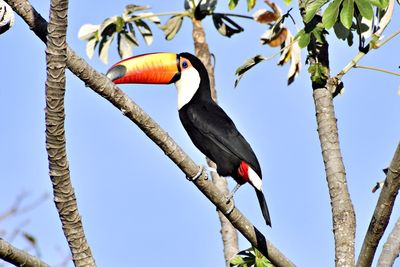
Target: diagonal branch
(18,257)
(383,210)
(64,196)
(391,248)
(104,87)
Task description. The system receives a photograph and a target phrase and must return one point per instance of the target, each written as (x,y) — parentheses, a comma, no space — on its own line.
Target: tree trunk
(343,215)
(64,196)
(228,232)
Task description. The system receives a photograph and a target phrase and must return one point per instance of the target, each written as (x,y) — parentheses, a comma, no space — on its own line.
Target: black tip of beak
(116,72)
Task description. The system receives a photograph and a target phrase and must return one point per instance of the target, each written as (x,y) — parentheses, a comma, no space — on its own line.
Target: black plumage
(215,135)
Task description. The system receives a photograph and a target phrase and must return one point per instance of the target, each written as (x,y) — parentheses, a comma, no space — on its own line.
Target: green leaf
(319,73)
(145,31)
(119,24)
(311,9)
(225,26)
(103,48)
(237,260)
(233,3)
(331,14)
(108,26)
(129,9)
(130,34)
(87,31)
(248,64)
(91,46)
(304,39)
(250,4)
(287,2)
(382,4)
(172,26)
(318,32)
(365,8)
(150,16)
(346,15)
(341,32)
(125,45)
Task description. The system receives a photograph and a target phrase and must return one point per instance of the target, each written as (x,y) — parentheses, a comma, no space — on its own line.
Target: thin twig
(390,37)
(376,69)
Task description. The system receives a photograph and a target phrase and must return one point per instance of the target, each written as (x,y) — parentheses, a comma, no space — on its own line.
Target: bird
(210,129)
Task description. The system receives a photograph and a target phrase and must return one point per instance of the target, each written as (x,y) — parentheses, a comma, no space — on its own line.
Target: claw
(198,174)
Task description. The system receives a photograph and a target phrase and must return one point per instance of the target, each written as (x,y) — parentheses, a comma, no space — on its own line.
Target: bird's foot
(198,174)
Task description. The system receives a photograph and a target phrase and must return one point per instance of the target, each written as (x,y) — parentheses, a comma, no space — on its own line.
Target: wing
(210,124)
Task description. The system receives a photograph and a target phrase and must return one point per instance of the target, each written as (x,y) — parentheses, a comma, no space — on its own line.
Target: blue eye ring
(185,64)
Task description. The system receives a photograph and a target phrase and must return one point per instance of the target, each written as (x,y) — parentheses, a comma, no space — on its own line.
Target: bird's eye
(185,64)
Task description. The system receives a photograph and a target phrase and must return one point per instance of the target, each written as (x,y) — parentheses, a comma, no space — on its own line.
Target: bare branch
(391,248)
(383,210)
(18,257)
(104,87)
(64,196)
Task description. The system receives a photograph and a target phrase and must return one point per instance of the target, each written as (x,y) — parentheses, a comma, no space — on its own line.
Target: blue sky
(136,205)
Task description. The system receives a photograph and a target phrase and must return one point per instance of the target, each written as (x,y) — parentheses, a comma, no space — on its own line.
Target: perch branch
(104,87)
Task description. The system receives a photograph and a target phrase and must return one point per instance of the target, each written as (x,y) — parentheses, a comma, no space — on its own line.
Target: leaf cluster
(123,27)
(250,257)
(345,17)
(276,36)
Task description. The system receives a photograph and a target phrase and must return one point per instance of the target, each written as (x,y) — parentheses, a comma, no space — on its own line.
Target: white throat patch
(187,86)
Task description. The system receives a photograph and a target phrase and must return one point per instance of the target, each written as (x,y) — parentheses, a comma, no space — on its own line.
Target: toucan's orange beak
(156,68)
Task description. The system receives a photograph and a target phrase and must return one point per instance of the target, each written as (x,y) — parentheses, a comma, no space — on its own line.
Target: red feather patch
(243,171)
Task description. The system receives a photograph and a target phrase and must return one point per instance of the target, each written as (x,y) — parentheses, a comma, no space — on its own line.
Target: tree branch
(343,215)
(18,257)
(104,87)
(64,196)
(228,232)
(383,210)
(391,248)
(373,44)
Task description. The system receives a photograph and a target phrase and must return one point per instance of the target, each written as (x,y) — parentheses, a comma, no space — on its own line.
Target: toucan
(208,126)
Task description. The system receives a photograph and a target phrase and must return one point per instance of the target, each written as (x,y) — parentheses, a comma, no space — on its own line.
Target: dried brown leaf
(274,37)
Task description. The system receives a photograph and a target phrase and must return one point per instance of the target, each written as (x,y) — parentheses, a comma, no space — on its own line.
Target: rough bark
(391,248)
(64,196)
(343,215)
(228,232)
(18,257)
(383,210)
(104,87)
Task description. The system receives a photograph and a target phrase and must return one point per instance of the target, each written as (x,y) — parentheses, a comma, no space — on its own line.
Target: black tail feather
(264,207)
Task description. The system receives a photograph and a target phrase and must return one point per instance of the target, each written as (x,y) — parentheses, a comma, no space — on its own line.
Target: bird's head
(184,69)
